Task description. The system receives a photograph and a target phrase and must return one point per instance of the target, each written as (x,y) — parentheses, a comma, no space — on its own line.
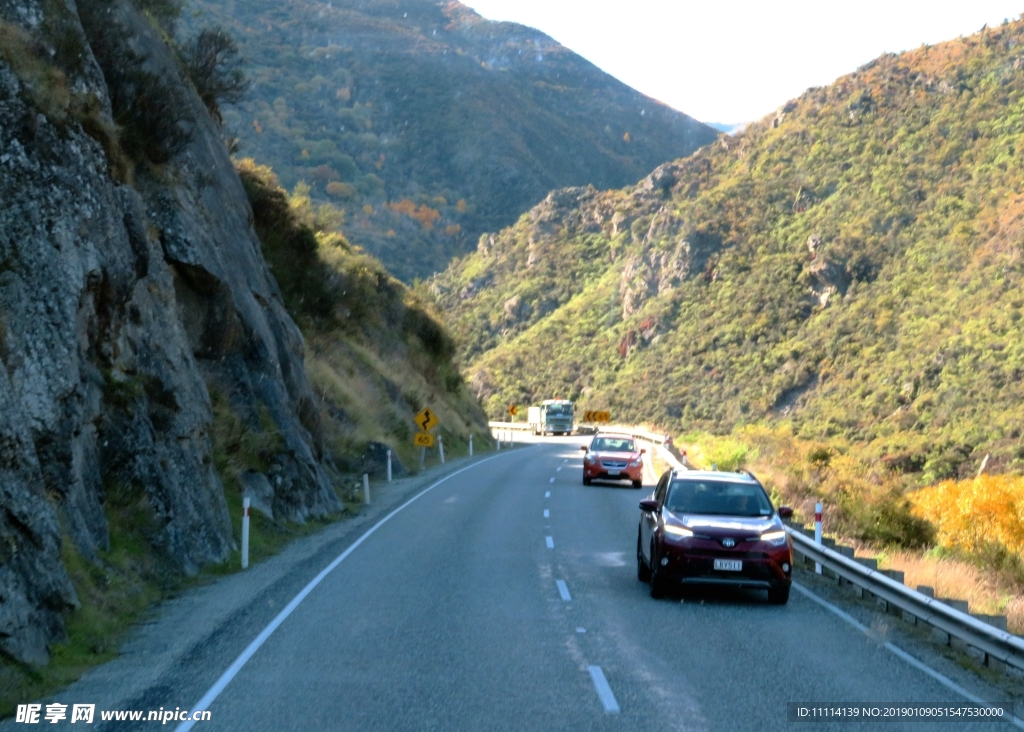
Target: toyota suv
(706,527)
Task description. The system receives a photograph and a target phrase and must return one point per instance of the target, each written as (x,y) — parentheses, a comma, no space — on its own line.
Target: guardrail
(998,645)
(656,440)
(523,426)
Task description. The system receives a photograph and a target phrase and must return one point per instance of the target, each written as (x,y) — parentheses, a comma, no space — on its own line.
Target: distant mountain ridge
(430,124)
(850,265)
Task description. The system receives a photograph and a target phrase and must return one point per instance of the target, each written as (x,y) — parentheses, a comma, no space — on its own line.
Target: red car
(613,457)
(711,528)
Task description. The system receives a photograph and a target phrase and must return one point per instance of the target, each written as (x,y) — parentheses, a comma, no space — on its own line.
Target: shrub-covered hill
(375,353)
(850,265)
(429,124)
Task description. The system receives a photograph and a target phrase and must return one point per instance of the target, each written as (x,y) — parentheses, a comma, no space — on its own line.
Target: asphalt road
(450,617)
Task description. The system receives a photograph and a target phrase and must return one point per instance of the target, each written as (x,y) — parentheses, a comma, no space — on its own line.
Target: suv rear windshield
(717,498)
(611,444)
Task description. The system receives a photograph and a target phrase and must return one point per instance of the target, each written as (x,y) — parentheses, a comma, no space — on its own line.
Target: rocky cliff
(131,283)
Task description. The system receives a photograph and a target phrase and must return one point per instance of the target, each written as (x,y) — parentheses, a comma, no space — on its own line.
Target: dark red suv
(714,528)
(613,457)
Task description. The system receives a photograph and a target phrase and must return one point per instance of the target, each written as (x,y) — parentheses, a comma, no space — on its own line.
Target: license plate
(729,565)
(614,472)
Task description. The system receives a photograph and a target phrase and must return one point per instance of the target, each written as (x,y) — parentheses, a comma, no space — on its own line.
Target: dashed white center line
(547,494)
(547,513)
(604,691)
(566,460)
(558,469)
(552,480)
(581,630)
(550,542)
(563,590)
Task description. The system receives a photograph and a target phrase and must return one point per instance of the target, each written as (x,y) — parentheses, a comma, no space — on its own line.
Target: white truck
(553,416)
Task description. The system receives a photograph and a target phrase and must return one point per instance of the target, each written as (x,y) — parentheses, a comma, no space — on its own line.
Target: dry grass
(985,592)
(380,394)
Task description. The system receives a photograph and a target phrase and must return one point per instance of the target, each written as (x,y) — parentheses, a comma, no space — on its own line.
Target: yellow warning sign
(513,410)
(426,420)
(423,439)
(597,416)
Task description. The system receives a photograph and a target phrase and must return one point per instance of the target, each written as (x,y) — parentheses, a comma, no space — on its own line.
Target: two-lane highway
(506,598)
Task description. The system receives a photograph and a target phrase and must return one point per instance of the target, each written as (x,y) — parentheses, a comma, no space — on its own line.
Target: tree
(212,62)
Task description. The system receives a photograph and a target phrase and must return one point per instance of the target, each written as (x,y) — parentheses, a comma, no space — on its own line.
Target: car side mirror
(785,512)
(643,450)
(584,448)
(649,505)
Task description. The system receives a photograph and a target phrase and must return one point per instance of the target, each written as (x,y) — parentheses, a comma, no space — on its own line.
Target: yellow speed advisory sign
(597,416)
(423,439)
(426,420)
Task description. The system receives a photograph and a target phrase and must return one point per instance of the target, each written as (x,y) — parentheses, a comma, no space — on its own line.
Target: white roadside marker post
(366,489)
(440,447)
(389,466)
(498,442)
(817,533)
(471,444)
(245,532)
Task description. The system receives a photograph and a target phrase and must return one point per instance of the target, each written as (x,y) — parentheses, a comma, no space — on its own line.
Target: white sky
(738,61)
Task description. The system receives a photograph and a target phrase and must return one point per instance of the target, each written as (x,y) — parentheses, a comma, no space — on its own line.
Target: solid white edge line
(900,653)
(604,691)
(563,590)
(232,670)
(550,542)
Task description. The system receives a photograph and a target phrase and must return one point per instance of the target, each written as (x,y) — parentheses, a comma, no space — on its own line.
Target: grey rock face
(119,305)
(257,488)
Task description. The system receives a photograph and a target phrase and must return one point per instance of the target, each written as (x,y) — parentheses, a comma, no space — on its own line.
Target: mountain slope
(850,265)
(429,124)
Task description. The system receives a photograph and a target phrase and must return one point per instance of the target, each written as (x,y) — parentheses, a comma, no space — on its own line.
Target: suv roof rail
(748,473)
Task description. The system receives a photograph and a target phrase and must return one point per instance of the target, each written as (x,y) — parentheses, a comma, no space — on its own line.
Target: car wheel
(586,480)
(778,595)
(643,572)
(638,484)
(657,582)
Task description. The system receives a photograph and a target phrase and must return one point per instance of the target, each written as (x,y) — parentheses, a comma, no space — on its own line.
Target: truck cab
(553,416)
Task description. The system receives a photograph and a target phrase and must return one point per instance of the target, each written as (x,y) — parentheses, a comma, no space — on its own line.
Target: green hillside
(849,266)
(427,124)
